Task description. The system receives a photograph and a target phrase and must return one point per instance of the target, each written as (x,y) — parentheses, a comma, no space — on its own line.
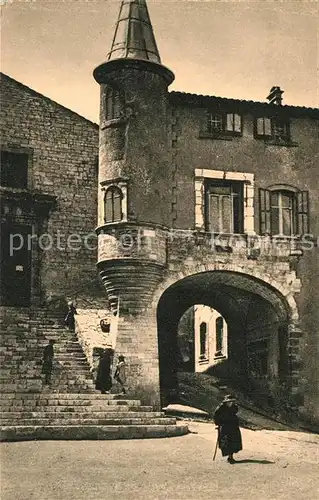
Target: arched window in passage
(203,340)
(219,336)
(114,104)
(113,204)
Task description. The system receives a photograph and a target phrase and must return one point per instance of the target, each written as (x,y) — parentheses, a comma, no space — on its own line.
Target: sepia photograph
(159,286)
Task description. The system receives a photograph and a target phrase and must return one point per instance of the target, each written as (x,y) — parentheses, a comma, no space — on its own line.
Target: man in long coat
(229,435)
(103,380)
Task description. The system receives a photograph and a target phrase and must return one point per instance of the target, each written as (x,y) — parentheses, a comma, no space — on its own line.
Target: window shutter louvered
(263,127)
(267,127)
(302,212)
(237,123)
(264,211)
(230,122)
(260,126)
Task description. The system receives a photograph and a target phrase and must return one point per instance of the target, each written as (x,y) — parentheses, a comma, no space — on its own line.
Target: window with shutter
(275,129)
(283,212)
(223,123)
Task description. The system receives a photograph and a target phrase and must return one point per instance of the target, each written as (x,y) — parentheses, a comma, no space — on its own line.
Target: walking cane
(216,445)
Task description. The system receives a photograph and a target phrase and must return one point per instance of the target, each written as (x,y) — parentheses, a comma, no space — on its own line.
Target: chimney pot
(275,96)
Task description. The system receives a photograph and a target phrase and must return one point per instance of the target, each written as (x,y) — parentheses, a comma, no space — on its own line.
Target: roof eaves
(192,99)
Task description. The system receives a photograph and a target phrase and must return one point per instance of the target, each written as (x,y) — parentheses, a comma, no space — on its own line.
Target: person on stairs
(69,320)
(103,380)
(47,362)
(229,435)
(120,373)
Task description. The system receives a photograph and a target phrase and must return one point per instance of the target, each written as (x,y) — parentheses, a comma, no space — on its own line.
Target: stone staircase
(70,408)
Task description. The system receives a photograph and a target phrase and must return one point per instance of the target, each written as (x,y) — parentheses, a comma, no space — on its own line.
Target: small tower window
(113,104)
(113,204)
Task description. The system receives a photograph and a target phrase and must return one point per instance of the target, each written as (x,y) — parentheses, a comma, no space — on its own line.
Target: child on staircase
(120,373)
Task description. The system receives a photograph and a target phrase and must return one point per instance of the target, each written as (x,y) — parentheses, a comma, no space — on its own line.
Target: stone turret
(134,199)
(133,120)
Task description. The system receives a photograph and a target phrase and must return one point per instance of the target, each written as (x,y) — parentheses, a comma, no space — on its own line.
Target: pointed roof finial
(134,37)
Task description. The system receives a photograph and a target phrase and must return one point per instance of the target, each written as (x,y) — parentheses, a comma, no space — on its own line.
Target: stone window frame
(248,179)
(122,185)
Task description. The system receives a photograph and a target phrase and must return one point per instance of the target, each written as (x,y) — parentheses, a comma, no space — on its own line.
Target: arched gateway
(258,318)
(256,298)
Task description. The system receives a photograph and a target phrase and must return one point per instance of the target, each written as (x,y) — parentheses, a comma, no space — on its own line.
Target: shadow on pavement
(251,461)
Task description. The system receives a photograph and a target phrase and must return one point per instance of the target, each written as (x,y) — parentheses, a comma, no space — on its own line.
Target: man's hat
(229,397)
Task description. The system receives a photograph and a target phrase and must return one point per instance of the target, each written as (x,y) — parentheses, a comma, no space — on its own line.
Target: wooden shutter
(302,215)
(264,211)
(263,127)
(238,207)
(267,127)
(230,122)
(237,123)
(233,123)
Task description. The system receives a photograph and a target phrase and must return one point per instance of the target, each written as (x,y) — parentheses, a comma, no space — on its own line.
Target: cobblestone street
(274,465)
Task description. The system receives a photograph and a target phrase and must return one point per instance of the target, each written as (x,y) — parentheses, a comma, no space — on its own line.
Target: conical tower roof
(134,37)
(133,43)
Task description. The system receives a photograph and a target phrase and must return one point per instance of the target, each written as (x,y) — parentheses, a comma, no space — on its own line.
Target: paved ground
(274,465)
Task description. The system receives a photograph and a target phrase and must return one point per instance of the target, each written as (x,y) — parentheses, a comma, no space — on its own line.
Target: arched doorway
(257,317)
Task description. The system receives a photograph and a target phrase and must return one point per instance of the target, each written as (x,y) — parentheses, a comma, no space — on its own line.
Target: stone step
(91,421)
(78,408)
(70,401)
(79,413)
(58,395)
(91,410)
(72,368)
(90,432)
(73,356)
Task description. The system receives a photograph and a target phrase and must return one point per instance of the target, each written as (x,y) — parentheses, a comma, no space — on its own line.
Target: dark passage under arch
(257,319)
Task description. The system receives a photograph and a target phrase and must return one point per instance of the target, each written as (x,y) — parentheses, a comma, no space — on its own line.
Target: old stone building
(49,158)
(200,200)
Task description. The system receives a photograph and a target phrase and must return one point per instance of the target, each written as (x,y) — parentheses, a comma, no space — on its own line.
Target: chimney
(275,96)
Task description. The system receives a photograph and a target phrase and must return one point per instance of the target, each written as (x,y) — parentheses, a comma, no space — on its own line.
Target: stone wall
(63,149)
(90,334)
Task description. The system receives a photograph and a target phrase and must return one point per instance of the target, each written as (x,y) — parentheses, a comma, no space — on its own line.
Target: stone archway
(259,316)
